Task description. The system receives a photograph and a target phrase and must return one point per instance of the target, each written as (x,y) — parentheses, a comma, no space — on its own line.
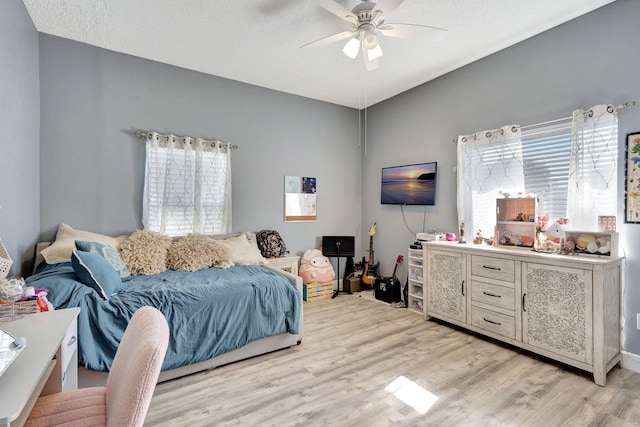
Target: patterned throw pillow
(270,243)
(107,252)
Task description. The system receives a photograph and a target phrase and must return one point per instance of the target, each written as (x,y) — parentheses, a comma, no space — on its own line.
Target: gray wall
(92,166)
(20,142)
(590,60)
(92,99)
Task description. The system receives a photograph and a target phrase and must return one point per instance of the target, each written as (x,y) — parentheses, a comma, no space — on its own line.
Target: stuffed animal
(553,238)
(604,245)
(315,267)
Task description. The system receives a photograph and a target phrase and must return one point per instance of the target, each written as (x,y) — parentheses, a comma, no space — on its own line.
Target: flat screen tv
(409,184)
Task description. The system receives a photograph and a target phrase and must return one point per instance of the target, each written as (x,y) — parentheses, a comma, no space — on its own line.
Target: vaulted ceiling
(258,41)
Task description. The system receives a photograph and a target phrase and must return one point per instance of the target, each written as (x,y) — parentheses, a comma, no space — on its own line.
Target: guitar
(370,271)
(398,262)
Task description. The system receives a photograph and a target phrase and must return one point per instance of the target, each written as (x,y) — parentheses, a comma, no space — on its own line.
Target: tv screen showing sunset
(409,185)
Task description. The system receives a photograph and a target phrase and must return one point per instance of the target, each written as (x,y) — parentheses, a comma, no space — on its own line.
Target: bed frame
(88,378)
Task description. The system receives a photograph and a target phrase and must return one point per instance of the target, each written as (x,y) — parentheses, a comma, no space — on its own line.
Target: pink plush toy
(315,267)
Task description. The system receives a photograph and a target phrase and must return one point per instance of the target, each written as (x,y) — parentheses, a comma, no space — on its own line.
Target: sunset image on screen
(409,185)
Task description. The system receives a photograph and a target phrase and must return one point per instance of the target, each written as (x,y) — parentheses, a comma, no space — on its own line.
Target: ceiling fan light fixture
(374,53)
(351,48)
(370,39)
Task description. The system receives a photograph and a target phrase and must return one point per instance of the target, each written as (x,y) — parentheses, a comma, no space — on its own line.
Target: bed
(215,315)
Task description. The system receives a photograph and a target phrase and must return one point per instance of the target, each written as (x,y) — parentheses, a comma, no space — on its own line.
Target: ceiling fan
(367,20)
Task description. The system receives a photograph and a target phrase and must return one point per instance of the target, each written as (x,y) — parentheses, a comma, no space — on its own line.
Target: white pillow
(240,251)
(60,250)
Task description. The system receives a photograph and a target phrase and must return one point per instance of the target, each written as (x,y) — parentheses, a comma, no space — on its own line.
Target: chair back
(136,367)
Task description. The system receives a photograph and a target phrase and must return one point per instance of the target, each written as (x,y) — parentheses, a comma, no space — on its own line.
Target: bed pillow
(108,253)
(96,272)
(194,252)
(60,250)
(145,252)
(240,251)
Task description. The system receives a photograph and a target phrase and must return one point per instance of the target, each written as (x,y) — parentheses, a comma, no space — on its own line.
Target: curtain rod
(147,135)
(624,106)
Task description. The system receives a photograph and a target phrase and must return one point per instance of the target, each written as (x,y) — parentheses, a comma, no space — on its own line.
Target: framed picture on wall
(300,199)
(632,179)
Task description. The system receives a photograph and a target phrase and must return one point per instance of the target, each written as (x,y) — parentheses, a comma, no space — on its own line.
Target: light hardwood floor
(354,348)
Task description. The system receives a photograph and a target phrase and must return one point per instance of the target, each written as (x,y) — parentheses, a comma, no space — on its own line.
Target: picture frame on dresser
(632,179)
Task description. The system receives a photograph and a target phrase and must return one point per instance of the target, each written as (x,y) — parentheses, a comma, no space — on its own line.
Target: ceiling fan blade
(330,39)
(339,10)
(387,6)
(405,31)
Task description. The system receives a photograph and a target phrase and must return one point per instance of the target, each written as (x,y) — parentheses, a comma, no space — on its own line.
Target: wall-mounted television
(409,184)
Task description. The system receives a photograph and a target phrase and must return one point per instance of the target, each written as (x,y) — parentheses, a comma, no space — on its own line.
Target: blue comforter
(210,312)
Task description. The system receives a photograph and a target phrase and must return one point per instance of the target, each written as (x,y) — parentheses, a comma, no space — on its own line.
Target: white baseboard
(630,361)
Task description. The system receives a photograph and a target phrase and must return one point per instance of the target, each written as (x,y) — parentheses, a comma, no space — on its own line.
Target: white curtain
(187,186)
(593,172)
(488,163)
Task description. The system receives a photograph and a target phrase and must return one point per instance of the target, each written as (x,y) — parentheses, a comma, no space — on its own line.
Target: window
(570,164)
(546,152)
(187,186)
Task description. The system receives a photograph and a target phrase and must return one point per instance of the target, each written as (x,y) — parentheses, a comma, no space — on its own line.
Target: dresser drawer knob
(72,341)
(491,268)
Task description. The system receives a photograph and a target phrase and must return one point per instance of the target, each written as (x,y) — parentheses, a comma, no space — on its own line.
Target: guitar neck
(398,262)
(371,261)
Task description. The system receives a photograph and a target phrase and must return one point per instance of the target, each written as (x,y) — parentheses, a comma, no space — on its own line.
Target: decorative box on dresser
(563,307)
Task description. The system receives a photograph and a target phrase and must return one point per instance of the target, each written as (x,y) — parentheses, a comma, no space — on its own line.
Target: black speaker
(344,245)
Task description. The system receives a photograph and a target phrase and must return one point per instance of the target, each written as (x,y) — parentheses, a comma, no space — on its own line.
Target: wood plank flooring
(352,350)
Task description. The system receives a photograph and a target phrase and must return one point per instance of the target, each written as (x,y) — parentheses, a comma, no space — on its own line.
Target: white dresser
(566,308)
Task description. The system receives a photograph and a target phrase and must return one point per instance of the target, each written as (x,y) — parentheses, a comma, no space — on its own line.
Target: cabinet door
(446,273)
(556,308)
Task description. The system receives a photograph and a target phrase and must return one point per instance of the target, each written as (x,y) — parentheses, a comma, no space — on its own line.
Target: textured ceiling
(257,41)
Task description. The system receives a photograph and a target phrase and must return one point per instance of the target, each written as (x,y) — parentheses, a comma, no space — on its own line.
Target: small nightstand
(288,263)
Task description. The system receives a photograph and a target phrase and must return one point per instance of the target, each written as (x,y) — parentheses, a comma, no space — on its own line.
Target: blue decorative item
(95,272)
(108,253)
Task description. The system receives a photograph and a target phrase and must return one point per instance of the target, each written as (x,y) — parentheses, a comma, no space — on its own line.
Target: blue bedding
(209,312)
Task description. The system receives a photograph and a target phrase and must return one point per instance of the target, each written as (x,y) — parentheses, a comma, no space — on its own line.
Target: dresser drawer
(493,268)
(415,273)
(495,322)
(498,296)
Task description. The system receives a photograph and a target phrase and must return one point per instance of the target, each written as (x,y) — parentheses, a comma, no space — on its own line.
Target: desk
(31,372)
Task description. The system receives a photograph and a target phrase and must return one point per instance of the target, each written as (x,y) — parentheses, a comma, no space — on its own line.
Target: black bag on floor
(387,289)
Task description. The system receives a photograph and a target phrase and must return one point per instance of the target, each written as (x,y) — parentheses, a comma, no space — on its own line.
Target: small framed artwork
(632,179)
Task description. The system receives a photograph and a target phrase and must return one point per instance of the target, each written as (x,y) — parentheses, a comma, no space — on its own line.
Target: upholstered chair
(125,399)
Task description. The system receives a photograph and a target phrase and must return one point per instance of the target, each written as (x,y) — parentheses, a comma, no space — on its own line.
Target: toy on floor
(315,267)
